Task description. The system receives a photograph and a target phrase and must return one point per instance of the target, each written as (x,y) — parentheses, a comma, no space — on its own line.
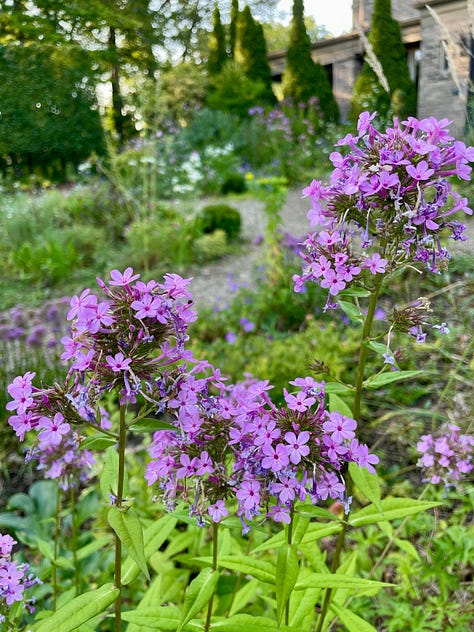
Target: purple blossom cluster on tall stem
(231,448)
(388,202)
(14,578)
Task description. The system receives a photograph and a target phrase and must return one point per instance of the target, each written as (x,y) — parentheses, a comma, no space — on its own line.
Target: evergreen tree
(217,46)
(387,45)
(251,54)
(234,16)
(304,78)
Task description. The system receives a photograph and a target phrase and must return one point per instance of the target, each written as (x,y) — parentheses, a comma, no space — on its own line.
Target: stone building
(437,37)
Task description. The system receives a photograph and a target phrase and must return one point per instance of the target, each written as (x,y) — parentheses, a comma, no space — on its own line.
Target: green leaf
(198,594)
(407,547)
(264,571)
(382,379)
(392,508)
(335,580)
(351,310)
(98,441)
(79,610)
(244,595)
(155,618)
(248,623)
(336,404)
(367,483)
(352,621)
(337,387)
(314,532)
(153,537)
(355,291)
(378,347)
(285,577)
(109,476)
(93,546)
(151,425)
(127,526)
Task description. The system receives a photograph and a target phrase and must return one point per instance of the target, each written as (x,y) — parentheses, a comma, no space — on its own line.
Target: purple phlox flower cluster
(415,320)
(387,203)
(447,458)
(232,449)
(118,342)
(37,327)
(14,577)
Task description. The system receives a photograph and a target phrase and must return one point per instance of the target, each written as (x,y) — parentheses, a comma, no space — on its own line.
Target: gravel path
(212,283)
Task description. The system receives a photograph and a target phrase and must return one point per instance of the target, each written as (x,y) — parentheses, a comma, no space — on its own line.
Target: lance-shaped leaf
(336,580)
(314,532)
(249,623)
(244,595)
(109,477)
(97,441)
(155,618)
(198,594)
(367,483)
(127,526)
(153,538)
(264,571)
(352,621)
(285,577)
(79,610)
(392,508)
(382,379)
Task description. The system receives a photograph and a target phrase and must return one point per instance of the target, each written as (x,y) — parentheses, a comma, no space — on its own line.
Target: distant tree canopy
(48,111)
(303,78)
(387,45)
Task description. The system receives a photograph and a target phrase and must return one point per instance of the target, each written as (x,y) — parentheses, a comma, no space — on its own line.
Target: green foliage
(47,260)
(368,93)
(303,78)
(210,246)
(234,183)
(234,92)
(49,112)
(220,217)
(217,45)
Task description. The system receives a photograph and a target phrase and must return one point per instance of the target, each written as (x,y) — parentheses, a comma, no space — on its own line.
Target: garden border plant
(219,449)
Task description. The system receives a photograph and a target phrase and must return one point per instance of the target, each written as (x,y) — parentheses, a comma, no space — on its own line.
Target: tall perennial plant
(219,449)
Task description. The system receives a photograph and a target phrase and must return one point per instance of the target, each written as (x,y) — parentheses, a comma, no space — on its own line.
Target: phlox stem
(215,532)
(57,527)
(118,502)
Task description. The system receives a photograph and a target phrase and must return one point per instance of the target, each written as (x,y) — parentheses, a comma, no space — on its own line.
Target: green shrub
(220,217)
(234,183)
(210,246)
(48,260)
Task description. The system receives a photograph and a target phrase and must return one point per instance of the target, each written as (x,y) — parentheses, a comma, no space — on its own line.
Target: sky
(335,15)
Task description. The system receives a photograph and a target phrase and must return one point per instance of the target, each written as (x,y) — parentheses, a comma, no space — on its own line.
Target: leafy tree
(303,78)
(49,117)
(277,35)
(251,54)
(217,45)
(234,92)
(234,16)
(388,50)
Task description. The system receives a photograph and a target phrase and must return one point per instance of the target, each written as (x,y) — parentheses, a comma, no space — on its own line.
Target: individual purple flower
(118,362)
(339,427)
(276,458)
(421,171)
(123,279)
(376,264)
(218,511)
(297,445)
(52,430)
(299,402)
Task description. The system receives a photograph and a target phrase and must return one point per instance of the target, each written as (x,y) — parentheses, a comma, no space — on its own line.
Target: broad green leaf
(382,379)
(311,511)
(127,526)
(98,441)
(378,347)
(367,483)
(151,425)
(355,291)
(351,310)
(264,571)
(352,621)
(244,595)
(109,476)
(93,546)
(155,618)
(198,594)
(339,405)
(248,623)
(300,525)
(153,537)
(314,532)
(337,387)
(392,508)
(305,606)
(79,610)
(285,577)
(335,580)
(407,547)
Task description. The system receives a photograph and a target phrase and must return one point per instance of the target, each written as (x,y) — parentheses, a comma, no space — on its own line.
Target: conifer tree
(217,45)
(234,16)
(251,54)
(304,78)
(389,52)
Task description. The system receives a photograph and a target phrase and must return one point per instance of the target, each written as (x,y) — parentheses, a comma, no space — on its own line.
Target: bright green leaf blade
(392,508)
(285,577)
(352,621)
(367,483)
(127,526)
(355,291)
(378,347)
(79,610)
(339,405)
(156,618)
(97,442)
(153,538)
(264,571)
(109,477)
(244,595)
(198,594)
(314,532)
(337,387)
(151,425)
(93,546)
(407,547)
(350,310)
(248,623)
(335,580)
(382,379)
